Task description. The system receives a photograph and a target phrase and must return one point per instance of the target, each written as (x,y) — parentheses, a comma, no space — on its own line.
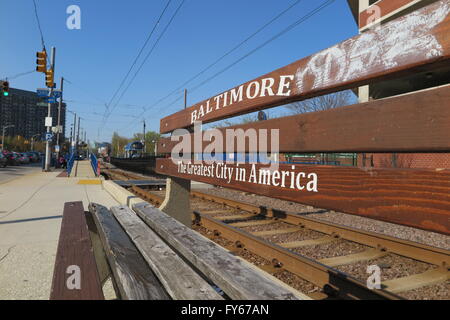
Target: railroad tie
(427,278)
(252,223)
(305,243)
(369,254)
(236,217)
(275,232)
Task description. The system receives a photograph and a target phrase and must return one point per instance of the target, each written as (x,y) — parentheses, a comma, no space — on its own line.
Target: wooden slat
(402,46)
(427,278)
(179,279)
(369,254)
(132,275)
(415,122)
(75,249)
(404,198)
(235,278)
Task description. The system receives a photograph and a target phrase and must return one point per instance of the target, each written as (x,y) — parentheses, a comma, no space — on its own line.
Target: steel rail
(410,249)
(334,282)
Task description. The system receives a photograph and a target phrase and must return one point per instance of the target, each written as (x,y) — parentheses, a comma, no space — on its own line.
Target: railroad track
(278,238)
(119,174)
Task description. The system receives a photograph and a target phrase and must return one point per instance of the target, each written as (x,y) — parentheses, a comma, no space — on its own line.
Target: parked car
(32,156)
(3,160)
(38,156)
(12,158)
(23,158)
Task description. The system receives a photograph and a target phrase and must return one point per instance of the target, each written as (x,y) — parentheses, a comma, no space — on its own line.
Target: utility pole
(78,136)
(49,128)
(143,139)
(71,134)
(185,98)
(59,117)
(3,136)
(74,132)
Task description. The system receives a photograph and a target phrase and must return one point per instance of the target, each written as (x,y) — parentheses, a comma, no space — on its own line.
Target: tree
(321,103)
(118,144)
(151,139)
(245,119)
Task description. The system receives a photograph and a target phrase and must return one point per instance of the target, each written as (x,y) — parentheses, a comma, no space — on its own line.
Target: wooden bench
(150,256)
(417,122)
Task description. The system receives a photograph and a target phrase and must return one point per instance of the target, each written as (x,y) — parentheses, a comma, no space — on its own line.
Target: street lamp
(156,146)
(32,140)
(3,136)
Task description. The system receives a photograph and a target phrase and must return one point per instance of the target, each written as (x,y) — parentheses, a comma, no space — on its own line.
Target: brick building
(21,109)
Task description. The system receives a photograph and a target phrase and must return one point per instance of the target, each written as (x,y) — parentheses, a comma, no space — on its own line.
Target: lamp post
(156,146)
(3,136)
(32,140)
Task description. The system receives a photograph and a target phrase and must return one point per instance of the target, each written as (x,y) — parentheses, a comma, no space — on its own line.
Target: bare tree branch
(321,103)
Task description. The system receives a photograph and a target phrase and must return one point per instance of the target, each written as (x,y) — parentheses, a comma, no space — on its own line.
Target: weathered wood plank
(415,122)
(132,276)
(415,281)
(178,278)
(412,42)
(417,198)
(234,277)
(75,276)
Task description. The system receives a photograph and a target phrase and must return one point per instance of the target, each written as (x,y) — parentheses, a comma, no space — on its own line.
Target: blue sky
(96,58)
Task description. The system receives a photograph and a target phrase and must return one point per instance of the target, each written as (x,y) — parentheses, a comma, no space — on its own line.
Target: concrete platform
(30,218)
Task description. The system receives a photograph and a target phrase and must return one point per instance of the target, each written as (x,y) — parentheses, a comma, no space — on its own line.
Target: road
(11,173)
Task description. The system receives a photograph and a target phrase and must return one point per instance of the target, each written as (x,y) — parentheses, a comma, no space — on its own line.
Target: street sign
(48,136)
(48,121)
(50,100)
(42,104)
(43,92)
(57,93)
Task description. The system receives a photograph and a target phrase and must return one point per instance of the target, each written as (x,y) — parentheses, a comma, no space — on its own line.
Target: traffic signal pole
(49,114)
(59,117)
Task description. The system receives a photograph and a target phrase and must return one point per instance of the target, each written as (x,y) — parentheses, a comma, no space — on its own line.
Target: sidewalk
(30,218)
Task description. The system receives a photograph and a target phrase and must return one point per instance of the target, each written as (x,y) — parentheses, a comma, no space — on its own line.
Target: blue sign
(57,94)
(50,100)
(43,92)
(48,136)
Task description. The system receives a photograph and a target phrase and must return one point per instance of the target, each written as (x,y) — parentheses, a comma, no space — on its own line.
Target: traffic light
(49,78)
(41,61)
(5,88)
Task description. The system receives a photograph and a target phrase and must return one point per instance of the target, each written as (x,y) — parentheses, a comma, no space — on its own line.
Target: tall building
(26,111)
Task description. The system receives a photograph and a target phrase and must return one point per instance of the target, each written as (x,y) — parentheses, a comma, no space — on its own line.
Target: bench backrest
(415,122)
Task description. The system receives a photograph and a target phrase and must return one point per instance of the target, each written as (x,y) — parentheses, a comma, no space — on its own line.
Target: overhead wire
(145,60)
(140,52)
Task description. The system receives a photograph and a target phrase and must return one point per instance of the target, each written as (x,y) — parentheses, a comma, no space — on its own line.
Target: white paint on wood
(406,39)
